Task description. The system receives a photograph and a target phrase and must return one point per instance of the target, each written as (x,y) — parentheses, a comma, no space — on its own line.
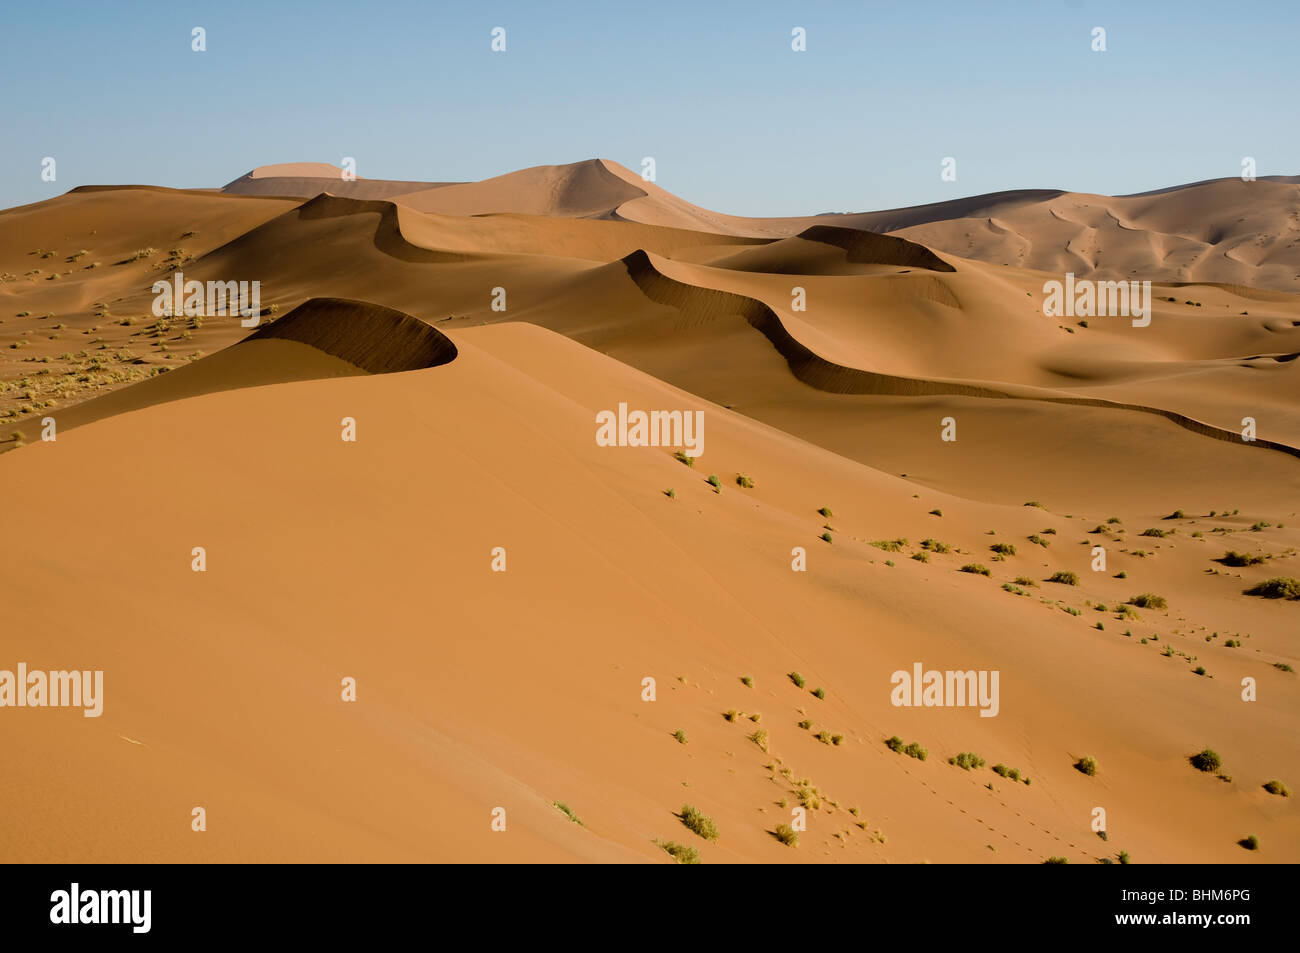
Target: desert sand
(373,560)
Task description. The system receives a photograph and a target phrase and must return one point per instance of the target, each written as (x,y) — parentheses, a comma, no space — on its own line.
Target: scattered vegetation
(1148,600)
(683,457)
(977,568)
(1086,765)
(1065,577)
(787,835)
(1279,587)
(698,822)
(935,546)
(1003,549)
(1234,558)
(967,760)
(682,853)
(889,545)
(1207,760)
(797,679)
(568,812)
(744,482)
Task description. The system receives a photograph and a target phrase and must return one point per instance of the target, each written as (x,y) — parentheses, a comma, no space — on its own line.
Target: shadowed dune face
(321,338)
(376,339)
(473,332)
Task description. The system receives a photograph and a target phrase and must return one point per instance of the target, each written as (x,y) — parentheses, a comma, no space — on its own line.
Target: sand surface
(472,332)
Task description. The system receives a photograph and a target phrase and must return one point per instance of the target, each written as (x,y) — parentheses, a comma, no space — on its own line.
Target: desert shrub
(1087,765)
(827,537)
(699,823)
(797,679)
(787,835)
(1280,587)
(825,511)
(967,760)
(1003,549)
(976,568)
(819,692)
(680,736)
(889,545)
(1250,842)
(1158,533)
(914,750)
(1065,577)
(1148,600)
(935,546)
(1206,760)
(747,681)
(1056,860)
(1039,541)
(1234,558)
(682,456)
(921,557)
(895,744)
(936,512)
(744,482)
(682,853)
(568,812)
(1278,788)
(760,738)
(670,493)
(714,482)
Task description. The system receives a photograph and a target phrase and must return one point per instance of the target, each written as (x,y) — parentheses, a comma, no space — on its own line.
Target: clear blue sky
(735,119)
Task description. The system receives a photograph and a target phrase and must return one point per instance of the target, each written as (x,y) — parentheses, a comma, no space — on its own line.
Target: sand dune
(1219,230)
(473,332)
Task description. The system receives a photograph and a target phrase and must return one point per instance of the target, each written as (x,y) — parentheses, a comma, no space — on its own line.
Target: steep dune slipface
(321,338)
